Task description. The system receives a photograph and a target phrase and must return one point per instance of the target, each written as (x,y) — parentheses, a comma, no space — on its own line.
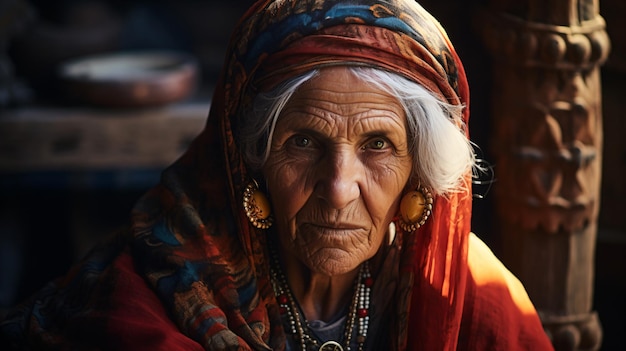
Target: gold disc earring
(257,206)
(415,207)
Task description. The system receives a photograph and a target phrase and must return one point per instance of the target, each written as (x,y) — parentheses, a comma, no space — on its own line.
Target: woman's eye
(377,144)
(301,141)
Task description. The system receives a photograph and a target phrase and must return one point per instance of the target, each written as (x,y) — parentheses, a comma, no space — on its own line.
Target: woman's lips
(333,228)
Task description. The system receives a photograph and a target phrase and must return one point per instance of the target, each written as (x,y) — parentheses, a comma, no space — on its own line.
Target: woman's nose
(339,180)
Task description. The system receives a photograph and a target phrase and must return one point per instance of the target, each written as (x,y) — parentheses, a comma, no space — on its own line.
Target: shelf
(58,146)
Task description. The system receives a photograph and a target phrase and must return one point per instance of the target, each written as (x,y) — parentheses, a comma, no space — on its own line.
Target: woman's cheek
(286,179)
(391,175)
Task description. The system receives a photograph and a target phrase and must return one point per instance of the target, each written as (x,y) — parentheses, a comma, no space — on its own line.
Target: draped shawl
(192,272)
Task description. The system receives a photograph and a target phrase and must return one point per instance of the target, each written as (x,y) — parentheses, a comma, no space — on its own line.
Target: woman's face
(338,163)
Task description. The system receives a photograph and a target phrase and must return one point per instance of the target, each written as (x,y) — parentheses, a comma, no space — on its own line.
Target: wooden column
(547,121)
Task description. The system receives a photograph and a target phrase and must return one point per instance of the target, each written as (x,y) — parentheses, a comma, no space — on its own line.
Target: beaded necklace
(299,326)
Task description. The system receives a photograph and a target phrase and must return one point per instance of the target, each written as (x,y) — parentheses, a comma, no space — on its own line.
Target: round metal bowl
(136,79)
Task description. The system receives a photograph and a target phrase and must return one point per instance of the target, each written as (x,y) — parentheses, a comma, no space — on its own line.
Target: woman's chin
(333,261)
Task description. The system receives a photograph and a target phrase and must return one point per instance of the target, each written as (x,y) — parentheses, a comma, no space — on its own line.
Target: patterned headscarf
(193,241)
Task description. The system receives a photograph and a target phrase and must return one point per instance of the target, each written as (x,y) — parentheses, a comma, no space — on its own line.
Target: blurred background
(74,157)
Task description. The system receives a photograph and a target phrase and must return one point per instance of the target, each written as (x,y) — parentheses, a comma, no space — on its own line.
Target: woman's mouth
(337,228)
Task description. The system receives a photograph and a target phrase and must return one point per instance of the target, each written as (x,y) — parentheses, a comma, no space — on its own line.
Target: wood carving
(548,144)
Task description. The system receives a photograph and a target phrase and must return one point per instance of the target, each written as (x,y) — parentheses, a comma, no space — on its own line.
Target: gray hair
(442,155)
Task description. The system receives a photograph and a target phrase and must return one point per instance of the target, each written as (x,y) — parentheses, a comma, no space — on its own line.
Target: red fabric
(440,269)
(137,320)
(497,313)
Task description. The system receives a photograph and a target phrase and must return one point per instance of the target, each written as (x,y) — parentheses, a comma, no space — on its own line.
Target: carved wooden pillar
(547,146)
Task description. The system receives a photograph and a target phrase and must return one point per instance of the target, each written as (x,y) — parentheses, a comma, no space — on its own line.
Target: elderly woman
(326,206)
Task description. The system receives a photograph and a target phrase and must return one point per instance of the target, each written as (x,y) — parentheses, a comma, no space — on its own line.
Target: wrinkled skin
(338,163)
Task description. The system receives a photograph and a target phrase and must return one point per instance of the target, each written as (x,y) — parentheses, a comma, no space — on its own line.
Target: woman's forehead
(339,92)
(340,84)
